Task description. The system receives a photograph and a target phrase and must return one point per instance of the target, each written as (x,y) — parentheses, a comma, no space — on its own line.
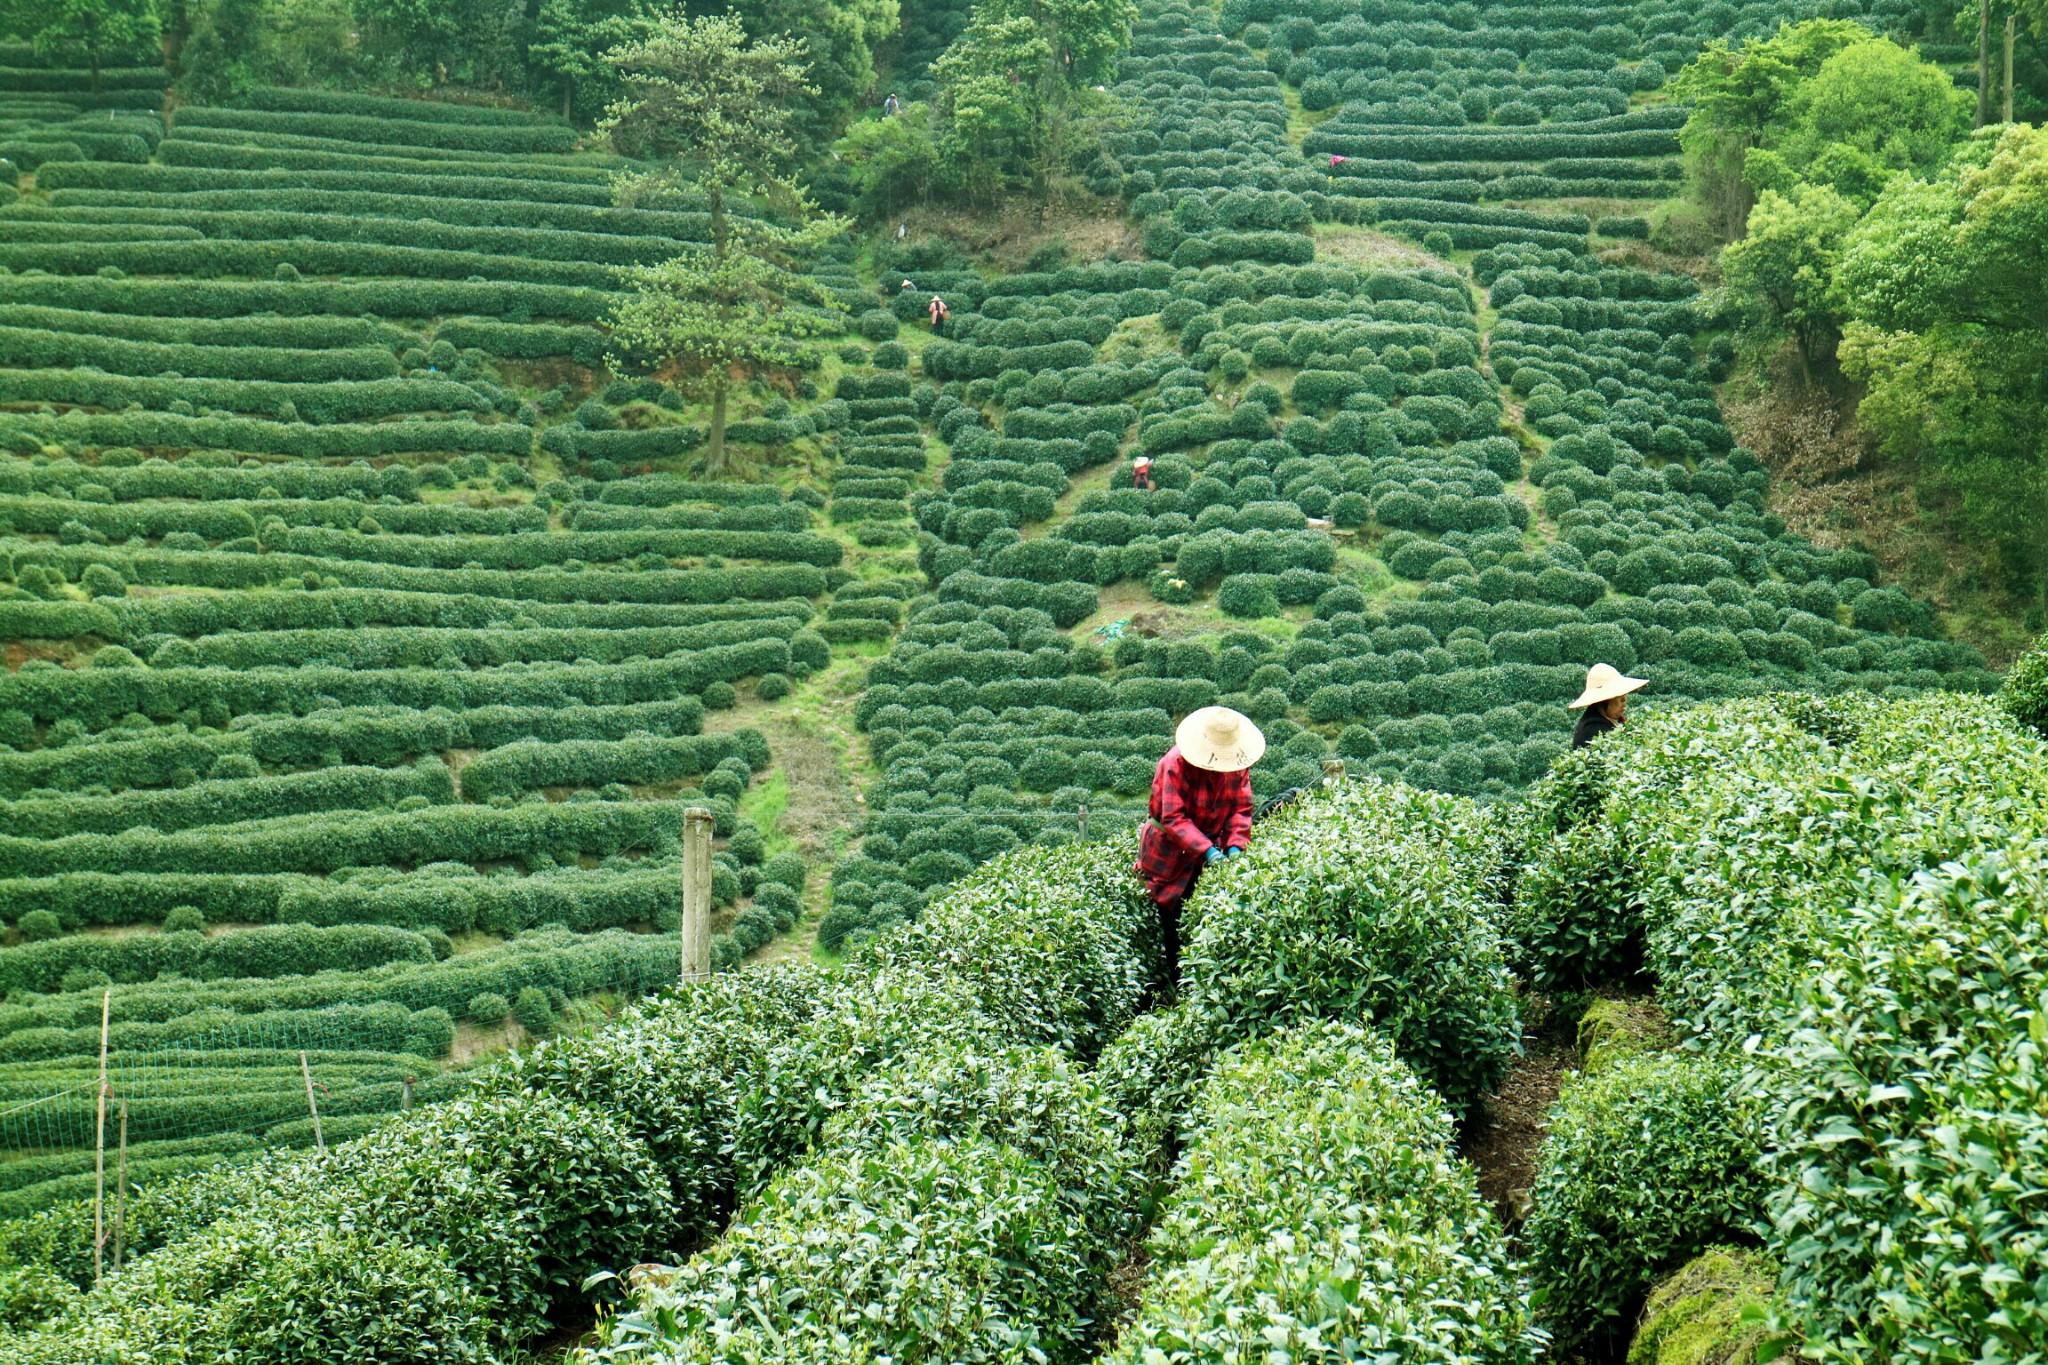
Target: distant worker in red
(1141,473)
(1201,812)
(937,308)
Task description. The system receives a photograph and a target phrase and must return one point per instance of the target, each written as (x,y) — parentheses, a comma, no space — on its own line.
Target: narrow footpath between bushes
(1503,1144)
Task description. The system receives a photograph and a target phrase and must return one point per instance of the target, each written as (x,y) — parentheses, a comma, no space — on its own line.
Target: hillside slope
(366,635)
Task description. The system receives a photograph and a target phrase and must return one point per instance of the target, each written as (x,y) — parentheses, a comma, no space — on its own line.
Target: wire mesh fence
(248,1084)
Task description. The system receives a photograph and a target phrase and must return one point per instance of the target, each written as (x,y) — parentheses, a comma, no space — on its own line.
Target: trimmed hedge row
(281,950)
(101,695)
(316,302)
(226,800)
(529,765)
(325,842)
(1320,1201)
(1795,883)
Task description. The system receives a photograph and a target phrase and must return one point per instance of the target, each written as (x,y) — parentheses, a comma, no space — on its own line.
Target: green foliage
(2025,694)
(1785,268)
(1306,927)
(1645,1164)
(1319,1197)
(1574,921)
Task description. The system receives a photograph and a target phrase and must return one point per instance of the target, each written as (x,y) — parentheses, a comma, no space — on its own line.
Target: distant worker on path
(1141,473)
(937,308)
(1201,812)
(1603,704)
(891,106)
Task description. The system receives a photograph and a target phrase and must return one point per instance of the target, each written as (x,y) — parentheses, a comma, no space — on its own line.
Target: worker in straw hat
(1603,704)
(1141,472)
(1201,812)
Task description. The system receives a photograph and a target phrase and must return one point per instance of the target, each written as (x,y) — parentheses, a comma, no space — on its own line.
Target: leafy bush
(534,1011)
(1575,921)
(1368,905)
(1320,1199)
(1645,1165)
(2025,694)
(982,1258)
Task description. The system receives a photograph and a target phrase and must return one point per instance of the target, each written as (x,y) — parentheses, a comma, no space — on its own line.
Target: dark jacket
(1593,723)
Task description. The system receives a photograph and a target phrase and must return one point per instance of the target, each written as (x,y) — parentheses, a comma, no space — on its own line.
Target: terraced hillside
(1403,495)
(359,653)
(366,635)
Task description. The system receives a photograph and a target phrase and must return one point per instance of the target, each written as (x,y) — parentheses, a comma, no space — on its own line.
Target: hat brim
(1620,687)
(1191,736)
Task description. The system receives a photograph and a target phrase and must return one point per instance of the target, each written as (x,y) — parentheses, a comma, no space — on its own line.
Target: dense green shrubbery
(2025,694)
(1304,926)
(1804,869)
(1319,1202)
(1645,1165)
(280,950)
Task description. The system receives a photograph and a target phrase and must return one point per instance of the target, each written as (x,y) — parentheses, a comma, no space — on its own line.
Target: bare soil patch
(1506,1139)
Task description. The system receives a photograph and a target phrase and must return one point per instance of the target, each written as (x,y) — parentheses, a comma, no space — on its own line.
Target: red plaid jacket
(1192,809)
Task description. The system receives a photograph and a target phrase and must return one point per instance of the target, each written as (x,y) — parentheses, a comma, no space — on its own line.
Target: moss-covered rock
(1613,1030)
(1710,1312)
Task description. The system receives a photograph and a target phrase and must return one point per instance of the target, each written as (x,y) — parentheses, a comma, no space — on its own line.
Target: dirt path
(1504,1142)
(811,799)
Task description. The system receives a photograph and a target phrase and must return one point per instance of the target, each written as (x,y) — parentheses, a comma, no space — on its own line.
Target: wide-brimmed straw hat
(1142,461)
(1605,682)
(1219,740)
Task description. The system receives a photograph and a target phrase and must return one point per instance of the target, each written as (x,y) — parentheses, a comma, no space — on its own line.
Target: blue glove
(1213,855)
(1233,850)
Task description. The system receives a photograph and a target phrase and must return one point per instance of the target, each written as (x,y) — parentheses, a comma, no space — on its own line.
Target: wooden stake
(1082,819)
(121,1191)
(696,893)
(405,1096)
(1333,771)
(99,1160)
(312,1107)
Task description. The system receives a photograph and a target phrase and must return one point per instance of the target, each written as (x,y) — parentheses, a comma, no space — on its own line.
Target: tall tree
(712,110)
(840,39)
(1011,84)
(93,29)
(1739,94)
(1871,110)
(1946,284)
(570,41)
(1783,271)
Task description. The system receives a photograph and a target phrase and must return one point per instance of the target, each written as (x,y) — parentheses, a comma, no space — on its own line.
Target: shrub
(1321,1200)
(1576,920)
(488,1007)
(1367,905)
(1249,595)
(1645,1165)
(2025,693)
(40,926)
(184,919)
(877,324)
(534,1011)
(772,686)
(921,1250)
(891,355)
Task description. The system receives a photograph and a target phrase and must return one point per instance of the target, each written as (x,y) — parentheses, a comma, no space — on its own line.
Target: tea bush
(1319,1201)
(1304,927)
(1646,1164)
